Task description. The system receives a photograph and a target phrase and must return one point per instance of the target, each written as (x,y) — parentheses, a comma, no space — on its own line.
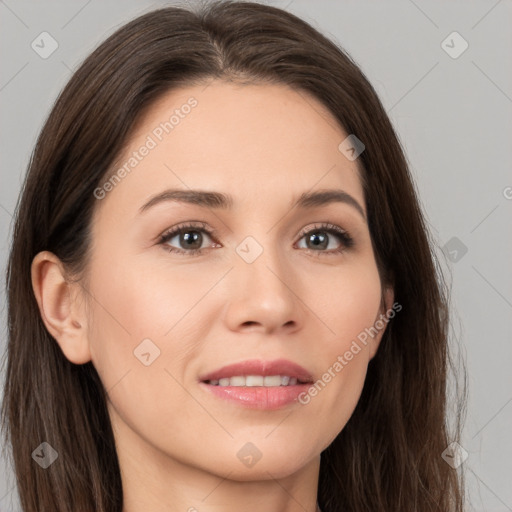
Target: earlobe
(59,309)
(388,296)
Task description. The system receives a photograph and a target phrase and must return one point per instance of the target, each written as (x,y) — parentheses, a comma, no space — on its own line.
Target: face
(214,248)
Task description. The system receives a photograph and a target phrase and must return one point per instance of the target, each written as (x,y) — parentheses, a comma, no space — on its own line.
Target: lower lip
(258,397)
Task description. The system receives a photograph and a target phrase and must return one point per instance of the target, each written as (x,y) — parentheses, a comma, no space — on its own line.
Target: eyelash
(345,238)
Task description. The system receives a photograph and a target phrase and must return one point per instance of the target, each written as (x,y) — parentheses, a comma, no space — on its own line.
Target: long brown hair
(388,456)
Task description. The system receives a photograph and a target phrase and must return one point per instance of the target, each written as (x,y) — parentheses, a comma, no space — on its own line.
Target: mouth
(248,381)
(256,384)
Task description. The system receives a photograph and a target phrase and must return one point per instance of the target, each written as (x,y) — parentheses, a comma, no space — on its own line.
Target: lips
(281,367)
(258,385)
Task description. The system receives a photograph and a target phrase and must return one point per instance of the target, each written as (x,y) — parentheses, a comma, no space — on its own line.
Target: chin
(269,470)
(270,460)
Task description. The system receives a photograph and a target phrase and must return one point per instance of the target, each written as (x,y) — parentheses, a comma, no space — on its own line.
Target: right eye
(190,237)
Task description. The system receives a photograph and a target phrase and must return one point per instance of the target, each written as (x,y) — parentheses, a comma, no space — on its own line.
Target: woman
(222,294)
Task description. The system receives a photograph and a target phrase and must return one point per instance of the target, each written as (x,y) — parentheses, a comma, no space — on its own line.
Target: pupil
(318,239)
(191,238)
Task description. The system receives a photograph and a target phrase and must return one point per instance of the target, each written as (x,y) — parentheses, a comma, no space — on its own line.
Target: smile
(256,384)
(255,380)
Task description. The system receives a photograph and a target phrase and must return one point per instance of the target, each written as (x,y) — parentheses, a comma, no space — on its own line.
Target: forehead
(254,142)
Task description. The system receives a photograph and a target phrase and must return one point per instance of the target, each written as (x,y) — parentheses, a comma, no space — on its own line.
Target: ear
(386,312)
(61,311)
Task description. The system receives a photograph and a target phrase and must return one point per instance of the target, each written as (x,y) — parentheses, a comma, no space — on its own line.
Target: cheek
(146,320)
(348,303)
(135,302)
(140,334)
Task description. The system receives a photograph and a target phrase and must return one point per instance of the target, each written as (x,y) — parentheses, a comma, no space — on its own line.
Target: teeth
(235,381)
(255,380)
(274,380)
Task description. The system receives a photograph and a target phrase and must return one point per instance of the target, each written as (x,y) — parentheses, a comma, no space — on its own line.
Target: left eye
(325,240)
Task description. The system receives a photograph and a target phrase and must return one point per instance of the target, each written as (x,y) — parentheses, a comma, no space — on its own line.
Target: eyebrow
(219,200)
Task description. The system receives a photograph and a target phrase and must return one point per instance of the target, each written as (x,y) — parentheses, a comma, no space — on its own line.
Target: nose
(264,296)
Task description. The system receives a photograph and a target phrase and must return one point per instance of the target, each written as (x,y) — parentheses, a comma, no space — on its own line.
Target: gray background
(453,116)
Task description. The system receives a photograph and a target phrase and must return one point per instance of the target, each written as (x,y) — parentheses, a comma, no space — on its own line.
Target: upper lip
(258,367)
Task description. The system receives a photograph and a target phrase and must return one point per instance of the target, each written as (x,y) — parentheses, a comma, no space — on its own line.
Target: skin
(177,445)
